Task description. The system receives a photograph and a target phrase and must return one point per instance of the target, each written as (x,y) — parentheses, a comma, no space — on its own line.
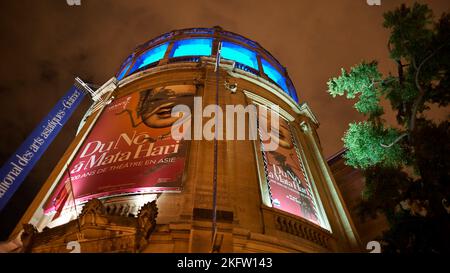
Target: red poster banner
(130,149)
(289,189)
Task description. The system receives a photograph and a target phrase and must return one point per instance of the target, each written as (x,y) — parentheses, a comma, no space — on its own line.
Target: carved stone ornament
(94,206)
(146,223)
(27,236)
(304,126)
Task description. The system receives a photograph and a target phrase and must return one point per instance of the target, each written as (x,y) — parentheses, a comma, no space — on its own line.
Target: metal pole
(73,198)
(216,130)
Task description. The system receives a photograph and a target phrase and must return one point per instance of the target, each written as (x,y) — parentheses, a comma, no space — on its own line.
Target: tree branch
(419,100)
(395,141)
(400,72)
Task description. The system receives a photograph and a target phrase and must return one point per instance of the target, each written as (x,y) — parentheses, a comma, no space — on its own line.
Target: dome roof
(188,45)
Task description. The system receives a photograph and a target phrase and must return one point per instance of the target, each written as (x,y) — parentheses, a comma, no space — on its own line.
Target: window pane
(150,56)
(124,70)
(292,90)
(239,54)
(274,75)
(192,47)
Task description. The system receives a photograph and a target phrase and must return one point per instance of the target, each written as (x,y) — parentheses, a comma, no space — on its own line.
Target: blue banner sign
(19,165)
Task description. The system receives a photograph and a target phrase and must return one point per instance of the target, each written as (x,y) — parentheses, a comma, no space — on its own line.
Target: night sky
(46,43)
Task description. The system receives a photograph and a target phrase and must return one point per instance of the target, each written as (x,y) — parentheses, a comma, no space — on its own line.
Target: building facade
(127,184)
(351,183)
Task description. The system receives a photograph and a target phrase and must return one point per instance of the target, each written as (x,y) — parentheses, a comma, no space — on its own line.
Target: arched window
(239,54)
(274,75)
(150,56)
(123,71)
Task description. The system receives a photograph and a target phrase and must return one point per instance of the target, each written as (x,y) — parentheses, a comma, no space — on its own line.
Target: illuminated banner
(129,150)
(19,165)
(289,189)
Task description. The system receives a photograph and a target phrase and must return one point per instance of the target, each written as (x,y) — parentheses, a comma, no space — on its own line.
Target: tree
(407,166)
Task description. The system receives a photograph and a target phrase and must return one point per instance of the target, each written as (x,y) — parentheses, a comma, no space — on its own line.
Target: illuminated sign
(289,188)
(130,149)
(19,165)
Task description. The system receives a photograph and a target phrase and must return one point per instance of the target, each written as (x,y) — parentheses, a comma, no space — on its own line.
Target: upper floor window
(150,56)
(292,90)
(274,75)
(239,54)
(192,47)
(123,71)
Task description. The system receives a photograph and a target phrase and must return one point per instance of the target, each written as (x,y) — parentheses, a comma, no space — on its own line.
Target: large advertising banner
(289,189)
(130,149)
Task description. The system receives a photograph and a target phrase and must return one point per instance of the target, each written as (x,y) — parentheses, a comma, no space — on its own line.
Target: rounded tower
(172,157)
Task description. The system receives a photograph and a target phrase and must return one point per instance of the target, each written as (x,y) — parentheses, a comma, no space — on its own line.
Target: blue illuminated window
(150,56)
(192,47)
(239,54)
(123,71)
(292,91)
(274,75)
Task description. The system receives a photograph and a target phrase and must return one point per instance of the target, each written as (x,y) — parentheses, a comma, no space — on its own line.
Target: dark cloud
(48,71)
(4,89)
(46,43)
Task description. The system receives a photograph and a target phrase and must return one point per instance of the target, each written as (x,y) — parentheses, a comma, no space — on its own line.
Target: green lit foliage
(362,141)
(360,81)
(407,168)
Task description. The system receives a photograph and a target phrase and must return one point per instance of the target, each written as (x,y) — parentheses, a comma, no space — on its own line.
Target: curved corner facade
(194,197)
